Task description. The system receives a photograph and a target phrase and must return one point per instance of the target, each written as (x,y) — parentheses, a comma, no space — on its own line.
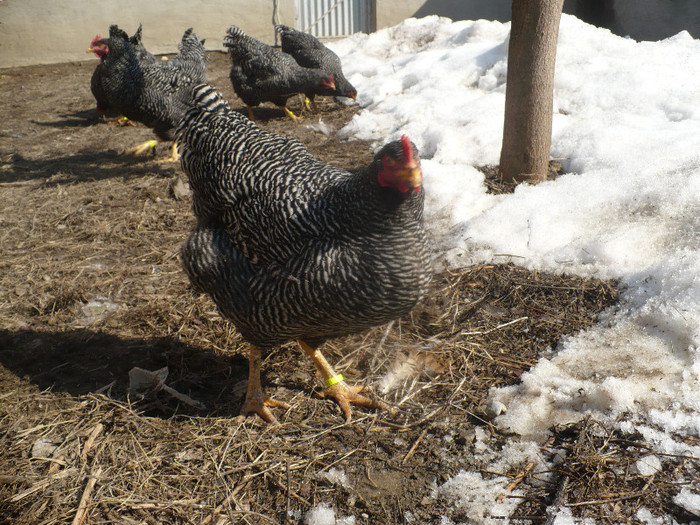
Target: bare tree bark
(527,130)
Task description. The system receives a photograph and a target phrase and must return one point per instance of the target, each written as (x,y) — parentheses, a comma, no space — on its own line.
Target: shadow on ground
(79,362)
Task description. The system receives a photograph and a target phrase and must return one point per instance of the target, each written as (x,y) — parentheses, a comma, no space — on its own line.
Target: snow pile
(627,118)
(626,128)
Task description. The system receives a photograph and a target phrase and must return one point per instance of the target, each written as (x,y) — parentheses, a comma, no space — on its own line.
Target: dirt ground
(91,287)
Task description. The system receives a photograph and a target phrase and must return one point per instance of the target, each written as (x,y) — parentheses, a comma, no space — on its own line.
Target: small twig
(228,499)
(42,484)
(414,446)
(485,332)
(81,513)
(383,339)
(96,431)
(289,489)
(521,476)
(408,426)
(608,500)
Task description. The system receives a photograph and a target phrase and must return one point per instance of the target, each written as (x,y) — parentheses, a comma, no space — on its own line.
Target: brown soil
(91,286)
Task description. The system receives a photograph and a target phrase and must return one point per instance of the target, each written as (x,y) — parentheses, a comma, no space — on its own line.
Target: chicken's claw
(174,155)
(346,395)
(255,401)
(260,404)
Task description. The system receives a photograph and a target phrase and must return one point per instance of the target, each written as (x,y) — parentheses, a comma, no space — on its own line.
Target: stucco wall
(391,12)
(50,31)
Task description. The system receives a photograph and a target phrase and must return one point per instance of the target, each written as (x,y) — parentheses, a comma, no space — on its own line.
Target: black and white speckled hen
(100,50)
(309,51)
(154,93)
(291,248)
(261,73)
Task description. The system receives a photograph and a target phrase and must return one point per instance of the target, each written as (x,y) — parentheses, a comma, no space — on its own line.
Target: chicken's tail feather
(191,45)
(233,33)
(136,38)
(282,29)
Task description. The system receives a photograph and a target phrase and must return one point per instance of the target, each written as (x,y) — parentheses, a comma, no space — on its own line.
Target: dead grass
(91,286)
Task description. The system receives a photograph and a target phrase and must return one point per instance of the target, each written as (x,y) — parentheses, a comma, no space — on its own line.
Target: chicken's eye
(388,162)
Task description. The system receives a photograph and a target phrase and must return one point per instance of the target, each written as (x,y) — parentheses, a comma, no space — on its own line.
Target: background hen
(309,51)
(100,50)
(154,93)
(291,248)
(261,73)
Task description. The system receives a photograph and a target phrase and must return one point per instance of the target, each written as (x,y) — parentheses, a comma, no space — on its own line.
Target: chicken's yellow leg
(289,113)
(336,386)
(254,399)
(149,144)
(174,155)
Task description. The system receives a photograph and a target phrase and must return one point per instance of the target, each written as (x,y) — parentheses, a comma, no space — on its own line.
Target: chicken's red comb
(95,40)
(407,149)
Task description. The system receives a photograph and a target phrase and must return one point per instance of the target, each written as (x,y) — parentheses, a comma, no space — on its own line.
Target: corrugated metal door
(329,18)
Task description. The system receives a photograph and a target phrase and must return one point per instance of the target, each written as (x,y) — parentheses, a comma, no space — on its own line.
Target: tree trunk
(527,130)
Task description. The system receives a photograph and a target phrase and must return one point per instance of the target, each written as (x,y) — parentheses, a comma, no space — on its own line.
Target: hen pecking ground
(91,286)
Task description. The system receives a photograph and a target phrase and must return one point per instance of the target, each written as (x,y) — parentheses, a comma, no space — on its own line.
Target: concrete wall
(50,31)
(466,9)
(390,12)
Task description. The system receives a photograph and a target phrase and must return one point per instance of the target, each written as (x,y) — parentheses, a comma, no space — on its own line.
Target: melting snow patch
(648,465)
(689,500)
(564,516)
(336,476)
(484,499)
(324,514)
(321,127)
(647,518)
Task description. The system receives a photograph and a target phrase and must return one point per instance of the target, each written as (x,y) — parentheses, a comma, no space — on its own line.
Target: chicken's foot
(310,104)
(150,144)
(337,388)
(119,121)
(174,155)
(289,113)
(255,401)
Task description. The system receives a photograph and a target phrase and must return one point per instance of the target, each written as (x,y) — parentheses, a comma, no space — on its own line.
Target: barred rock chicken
(103,105)
(309,51)
(261,73)
(156,94)
(291,248)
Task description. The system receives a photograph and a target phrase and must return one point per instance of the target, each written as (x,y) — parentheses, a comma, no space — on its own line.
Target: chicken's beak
(411,174)
(90,50)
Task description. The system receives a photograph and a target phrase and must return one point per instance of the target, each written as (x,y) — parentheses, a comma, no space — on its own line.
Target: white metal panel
(333,17)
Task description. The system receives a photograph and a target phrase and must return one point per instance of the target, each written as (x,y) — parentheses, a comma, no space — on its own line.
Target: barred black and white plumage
(261,73)
(142,55)
(309,51)
(152,92)
(289,247)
